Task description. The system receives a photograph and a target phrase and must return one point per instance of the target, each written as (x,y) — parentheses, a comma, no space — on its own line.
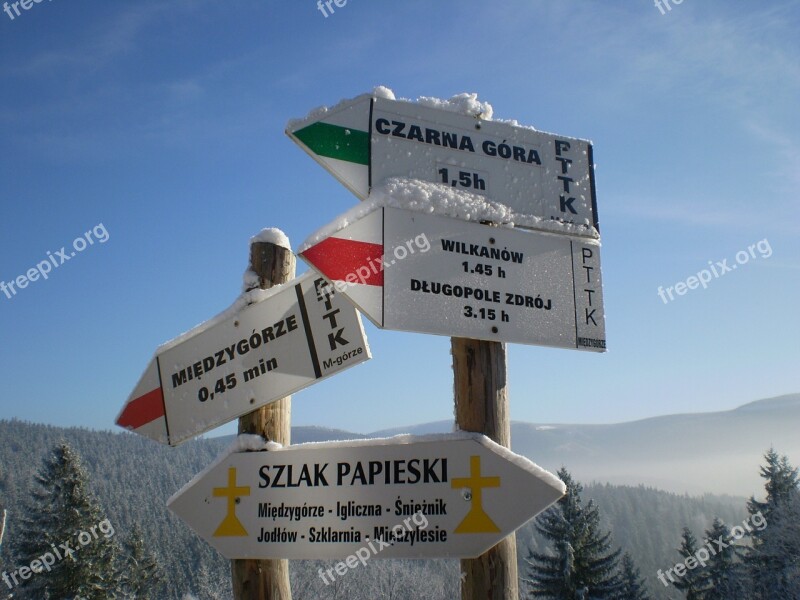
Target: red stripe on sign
(340,259)
(142,410)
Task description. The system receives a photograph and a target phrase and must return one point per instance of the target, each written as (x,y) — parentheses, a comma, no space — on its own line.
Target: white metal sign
(302,333)
(541,176)
(405,497)
(412,271)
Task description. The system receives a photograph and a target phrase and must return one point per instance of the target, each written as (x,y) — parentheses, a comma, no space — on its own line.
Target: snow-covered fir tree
(210,586)
(724,574)
(579,565)
(773,561)
(141,575)
(633,586)
(694,582)
(65,519)
(784,540)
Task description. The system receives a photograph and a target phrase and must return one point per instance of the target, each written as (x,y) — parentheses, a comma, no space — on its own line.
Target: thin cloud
(734,64)
(695,213)
(120,34)
(786,170)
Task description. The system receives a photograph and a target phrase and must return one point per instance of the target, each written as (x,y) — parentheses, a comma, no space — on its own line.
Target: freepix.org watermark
(401,531)
(12,10)
(54,260)
(326,6)
(717,270)
(666,5)
(375,265)
(55,554)
(704,554)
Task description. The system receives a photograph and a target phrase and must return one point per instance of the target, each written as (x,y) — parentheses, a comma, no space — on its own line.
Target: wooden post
(267,579)
(481,406)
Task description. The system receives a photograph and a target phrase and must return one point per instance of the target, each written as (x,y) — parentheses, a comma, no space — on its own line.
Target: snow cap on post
(251,282)
(272,235)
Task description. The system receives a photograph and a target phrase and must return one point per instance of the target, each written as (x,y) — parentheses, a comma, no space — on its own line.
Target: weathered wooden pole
(267,579)
(481,406)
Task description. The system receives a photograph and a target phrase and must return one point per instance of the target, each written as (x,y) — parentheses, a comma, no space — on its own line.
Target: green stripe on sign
(338,142)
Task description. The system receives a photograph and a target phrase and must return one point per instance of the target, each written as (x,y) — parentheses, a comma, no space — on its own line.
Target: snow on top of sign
(313,115)
(515,123)
(439,199)
(248,442)
(464,103)
(525,463)
(382,91)
(272,235)
(445,200)
(250,280)
(244,442)
(403,438)
(317,113)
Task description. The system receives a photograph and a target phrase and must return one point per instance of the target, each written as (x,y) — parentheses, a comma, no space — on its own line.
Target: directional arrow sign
(405,497)
(540,176)
(411,271)
(296,336)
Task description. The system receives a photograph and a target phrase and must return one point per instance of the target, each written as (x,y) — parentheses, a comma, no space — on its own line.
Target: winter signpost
(508,215)
(480,230)
(539,178)
(483,231)
(454,495)
(472,281)
(221,370)
(244,363)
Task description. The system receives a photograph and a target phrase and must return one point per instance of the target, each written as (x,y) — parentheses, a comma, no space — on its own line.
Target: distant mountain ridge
(692,453)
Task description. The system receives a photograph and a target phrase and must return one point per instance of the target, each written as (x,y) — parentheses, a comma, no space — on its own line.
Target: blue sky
(164,121)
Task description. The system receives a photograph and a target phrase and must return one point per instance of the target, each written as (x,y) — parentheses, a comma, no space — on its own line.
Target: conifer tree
(695,580)
(784,540)
(781,483)
(141,575)
(770,566)
(211,587)
(579,564)
(65,525)
(724,579)
(633,586)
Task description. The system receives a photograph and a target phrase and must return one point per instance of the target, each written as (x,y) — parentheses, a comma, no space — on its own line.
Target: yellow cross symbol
(476,521)
(231,526)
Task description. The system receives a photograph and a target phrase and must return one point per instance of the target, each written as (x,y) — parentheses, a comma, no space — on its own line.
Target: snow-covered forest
(117,484)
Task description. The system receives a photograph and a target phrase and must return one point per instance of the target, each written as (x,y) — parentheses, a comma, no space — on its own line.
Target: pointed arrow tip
(142,410)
